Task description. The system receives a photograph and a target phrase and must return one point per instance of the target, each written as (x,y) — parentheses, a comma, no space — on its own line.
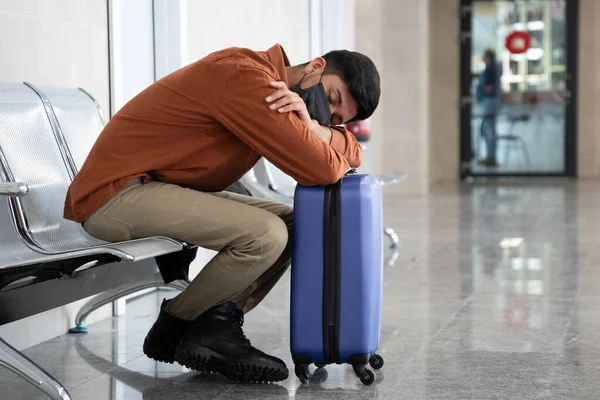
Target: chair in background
(513,140)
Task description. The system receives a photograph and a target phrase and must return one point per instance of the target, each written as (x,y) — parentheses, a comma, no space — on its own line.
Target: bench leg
(389,232)
(109,296)
(18,363)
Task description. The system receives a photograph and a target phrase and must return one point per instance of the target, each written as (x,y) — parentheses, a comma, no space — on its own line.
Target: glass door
(517,102)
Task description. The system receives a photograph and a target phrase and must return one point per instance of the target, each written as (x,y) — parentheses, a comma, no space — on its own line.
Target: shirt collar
(279,59)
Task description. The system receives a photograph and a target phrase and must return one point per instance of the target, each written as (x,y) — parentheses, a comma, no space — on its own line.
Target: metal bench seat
(37,244)
(251,182)
(30,152)
(18,260)
(133,250)
(79,120)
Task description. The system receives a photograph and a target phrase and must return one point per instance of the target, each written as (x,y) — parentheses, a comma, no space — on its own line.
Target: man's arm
(346,144)
(341,140)
(287,101)
(282,138)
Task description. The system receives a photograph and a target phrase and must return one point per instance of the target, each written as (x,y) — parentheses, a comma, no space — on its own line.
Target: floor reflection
(492,295)
(519,269)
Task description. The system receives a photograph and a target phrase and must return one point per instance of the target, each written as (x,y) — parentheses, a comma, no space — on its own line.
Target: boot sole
(156,356)
(204,360)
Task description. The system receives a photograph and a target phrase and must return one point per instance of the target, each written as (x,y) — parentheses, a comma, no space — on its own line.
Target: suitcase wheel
(320,365)
(319,376)
(365,374)
(302,373)
(376,361)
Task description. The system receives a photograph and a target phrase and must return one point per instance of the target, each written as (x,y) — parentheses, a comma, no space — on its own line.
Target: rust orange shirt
(203,127)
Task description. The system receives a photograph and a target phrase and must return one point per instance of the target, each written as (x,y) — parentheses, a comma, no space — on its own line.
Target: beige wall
(56,44)
(444,91)
(416,127)
(588,127)
(406,96)
(368,40)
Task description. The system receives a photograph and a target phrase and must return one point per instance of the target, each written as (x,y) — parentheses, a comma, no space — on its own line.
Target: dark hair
(490,53)
(359,73)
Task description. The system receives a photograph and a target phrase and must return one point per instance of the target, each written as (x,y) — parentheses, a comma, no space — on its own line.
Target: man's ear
(316,65)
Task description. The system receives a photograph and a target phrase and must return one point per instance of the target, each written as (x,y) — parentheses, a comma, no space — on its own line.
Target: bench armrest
(13,189)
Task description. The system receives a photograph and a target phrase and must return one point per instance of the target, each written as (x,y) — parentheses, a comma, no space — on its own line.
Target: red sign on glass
(518,42)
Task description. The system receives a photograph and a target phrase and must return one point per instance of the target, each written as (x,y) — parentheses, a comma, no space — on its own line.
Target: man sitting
(160,167)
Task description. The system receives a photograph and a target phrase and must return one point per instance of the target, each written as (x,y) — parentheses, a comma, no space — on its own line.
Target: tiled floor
(493,295)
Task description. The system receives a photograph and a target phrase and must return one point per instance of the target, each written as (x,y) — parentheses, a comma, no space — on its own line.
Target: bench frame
(57,278)
(27,299)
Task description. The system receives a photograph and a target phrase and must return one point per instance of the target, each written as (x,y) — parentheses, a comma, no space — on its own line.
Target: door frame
(466,100)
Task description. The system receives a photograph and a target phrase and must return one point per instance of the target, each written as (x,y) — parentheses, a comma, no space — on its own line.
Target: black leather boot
(165,335)
(216,343)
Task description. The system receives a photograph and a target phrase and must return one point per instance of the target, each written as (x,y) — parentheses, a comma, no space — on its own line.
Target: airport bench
(47,261)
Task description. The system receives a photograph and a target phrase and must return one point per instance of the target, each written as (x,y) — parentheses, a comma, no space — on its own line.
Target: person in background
(487,94)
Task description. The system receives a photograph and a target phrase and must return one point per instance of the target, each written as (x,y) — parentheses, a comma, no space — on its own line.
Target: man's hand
(284,100)
(324,133)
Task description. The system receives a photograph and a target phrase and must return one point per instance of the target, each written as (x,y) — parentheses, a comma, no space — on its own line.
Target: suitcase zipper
(331,272)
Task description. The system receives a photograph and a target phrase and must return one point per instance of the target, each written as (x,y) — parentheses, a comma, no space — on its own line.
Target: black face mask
(316,101)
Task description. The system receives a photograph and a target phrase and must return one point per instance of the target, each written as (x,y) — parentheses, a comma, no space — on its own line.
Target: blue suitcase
(337,276)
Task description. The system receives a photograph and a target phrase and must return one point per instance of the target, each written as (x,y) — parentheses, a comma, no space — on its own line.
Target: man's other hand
(284,100)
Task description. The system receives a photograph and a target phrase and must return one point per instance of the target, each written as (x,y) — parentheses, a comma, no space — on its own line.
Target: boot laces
(238,321)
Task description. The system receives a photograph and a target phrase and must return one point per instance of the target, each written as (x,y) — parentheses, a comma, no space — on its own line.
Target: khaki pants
(251,235)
